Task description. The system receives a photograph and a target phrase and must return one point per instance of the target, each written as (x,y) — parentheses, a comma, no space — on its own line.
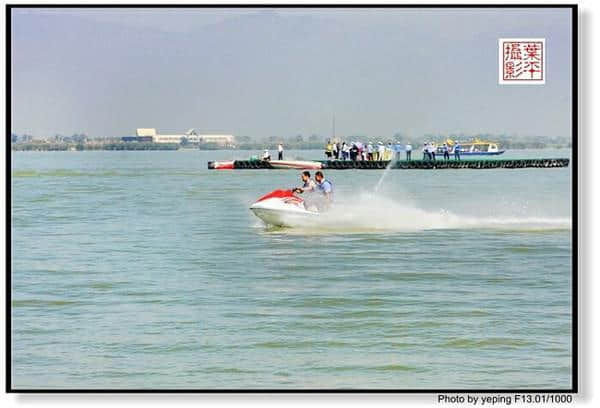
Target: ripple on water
(379,368)
(44,303)
(494,342)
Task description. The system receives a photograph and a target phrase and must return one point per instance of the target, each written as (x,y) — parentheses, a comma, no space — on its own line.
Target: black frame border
(574,198)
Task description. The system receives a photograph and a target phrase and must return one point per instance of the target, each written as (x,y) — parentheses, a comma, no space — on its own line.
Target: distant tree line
(297,142)
(80,141)
(14,138)
(317,142)
(139,146)
(51,146)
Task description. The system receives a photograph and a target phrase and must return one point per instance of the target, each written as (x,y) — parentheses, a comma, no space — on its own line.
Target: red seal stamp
(522,61)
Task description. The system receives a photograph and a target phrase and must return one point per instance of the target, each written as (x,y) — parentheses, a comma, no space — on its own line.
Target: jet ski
(282,208)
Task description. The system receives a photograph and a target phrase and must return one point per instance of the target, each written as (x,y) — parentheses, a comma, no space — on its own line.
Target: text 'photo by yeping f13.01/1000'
(274,198)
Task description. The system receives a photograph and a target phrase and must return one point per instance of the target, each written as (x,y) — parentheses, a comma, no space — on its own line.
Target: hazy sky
(279,72)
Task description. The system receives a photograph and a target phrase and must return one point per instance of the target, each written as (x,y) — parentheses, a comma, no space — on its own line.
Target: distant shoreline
(136,146)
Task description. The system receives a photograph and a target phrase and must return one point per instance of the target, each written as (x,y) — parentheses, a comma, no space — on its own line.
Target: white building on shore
(190,135)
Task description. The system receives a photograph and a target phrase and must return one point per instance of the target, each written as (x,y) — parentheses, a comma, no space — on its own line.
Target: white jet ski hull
(282,212)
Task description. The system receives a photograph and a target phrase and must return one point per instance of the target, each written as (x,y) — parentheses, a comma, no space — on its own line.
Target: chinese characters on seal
(522,61)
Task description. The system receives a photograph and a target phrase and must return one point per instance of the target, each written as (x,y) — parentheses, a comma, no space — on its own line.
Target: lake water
(146,270)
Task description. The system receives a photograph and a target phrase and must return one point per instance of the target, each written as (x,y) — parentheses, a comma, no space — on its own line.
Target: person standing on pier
(398,150)
(380,151)
(280,151)
(425,151)
(432,151)
(408,149)
(363,152)
(457,151)
(345,151)
(329,150)
(446,153)
(353,152)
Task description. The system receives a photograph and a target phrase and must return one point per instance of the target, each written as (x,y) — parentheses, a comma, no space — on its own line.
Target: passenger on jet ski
(325,188)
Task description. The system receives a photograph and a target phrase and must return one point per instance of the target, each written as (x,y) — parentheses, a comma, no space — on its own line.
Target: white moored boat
(295,164)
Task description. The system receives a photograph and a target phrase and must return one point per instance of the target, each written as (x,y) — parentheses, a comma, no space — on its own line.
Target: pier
(414,164)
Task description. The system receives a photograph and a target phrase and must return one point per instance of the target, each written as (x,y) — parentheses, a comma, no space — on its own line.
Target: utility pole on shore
(333,128)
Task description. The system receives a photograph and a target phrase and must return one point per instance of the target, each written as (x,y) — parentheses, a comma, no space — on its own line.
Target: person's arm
(327,191)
